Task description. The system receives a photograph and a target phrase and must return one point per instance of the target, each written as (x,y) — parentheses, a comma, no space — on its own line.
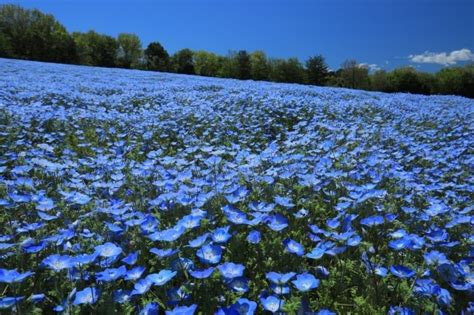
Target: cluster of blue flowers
(140,192)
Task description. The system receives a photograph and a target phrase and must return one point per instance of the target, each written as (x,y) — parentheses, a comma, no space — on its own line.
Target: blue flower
(279,278)
(162,277)
(12,276)
(230,270)
(108,250)
(8,302)
(37,298)
(135,273)
(210,254)
(305,282)
(238,284)
(87,296)
(221,235)
(254,237)
(435,257)
(150,309)
(272,303)
(111,274)
(401,271)
(293,247)
(244,307)
(131,258)
(58,262)
(142,286)
(372,221)
(183,310)
(201,274)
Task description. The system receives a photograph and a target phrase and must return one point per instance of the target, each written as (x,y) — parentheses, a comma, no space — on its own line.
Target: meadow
(125,192)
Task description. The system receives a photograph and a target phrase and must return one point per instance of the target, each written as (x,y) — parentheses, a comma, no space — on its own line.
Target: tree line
(33,35)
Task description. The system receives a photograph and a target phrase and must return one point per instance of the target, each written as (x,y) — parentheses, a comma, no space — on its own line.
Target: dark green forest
(33,35)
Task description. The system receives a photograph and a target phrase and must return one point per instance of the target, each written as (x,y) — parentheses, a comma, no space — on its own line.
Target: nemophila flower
(230,270)
(372,221)
(162,253)
(276,222)
(182,264)
(399,310)
(321,272)
(162,277)
(201,274)
(293,247)
(111,274)
(183,310)
(238,284)
(305,282)
(280,289)
(284,202)
(333,223)
(8,301)
(435,257)
(12,276)
(84,259)
(302,213)
(443,297)
(210,254)
(131,259)
(401,271)
(169,235)
(324,312)
(320,249)
(221,235)
(244,306)
(108,250)
(272,303)
(37,298)
(279,278)
(190,221)
(142,286)
(134,273)
(89,295)
(122,296)
(199,241)
(354,240)
(425,287)
(254,237)
(177,295)
(150,309)
(58,262)
(149,224)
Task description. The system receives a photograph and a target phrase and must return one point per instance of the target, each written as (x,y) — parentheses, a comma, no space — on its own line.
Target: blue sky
(427,34)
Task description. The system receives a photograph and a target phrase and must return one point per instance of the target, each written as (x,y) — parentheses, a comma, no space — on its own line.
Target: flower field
(125,192)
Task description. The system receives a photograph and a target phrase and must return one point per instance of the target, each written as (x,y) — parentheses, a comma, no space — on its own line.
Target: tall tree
(316,70)
(259,68)
(96,49)
(354,75)
(206,63)
(130,49)
(243,64)
(183,61)
(156,57)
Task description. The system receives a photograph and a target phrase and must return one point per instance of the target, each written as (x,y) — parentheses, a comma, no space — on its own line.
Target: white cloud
(370,66)
(443,58)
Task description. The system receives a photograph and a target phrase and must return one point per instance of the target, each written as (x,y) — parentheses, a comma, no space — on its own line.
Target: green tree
(354,75)
(183,61)
(316,70)
(456,81)
(259,68)
(96,49)
(31,34)
(243,65)
(379,81)
(405,80)
(206,63)
(129,51)
(156,57)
